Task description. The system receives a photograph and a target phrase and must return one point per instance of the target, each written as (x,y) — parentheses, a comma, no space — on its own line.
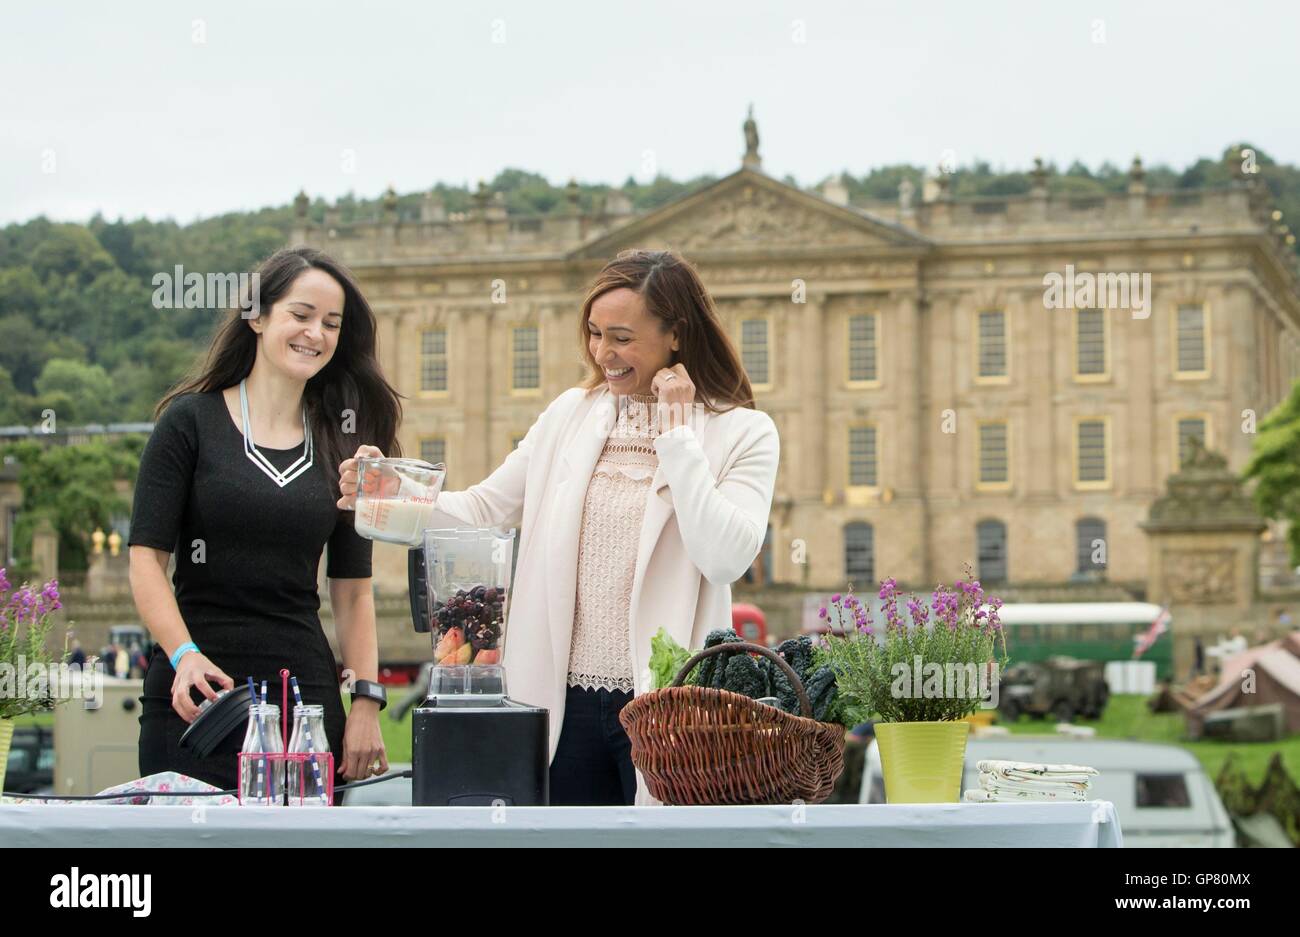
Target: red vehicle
(750,623)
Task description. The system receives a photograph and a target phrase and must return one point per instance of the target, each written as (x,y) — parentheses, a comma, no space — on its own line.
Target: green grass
(397,735)
(1127,717)
(40,719)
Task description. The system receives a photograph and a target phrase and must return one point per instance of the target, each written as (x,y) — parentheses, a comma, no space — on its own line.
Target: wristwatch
(368,689)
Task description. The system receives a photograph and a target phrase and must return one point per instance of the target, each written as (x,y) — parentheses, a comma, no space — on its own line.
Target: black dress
(247,556)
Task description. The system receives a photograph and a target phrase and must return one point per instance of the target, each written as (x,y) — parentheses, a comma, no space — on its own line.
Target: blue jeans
(593,761)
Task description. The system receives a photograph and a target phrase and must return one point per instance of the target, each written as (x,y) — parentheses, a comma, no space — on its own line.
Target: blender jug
(467,573)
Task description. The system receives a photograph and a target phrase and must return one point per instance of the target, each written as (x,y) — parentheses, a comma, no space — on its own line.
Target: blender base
(469,752)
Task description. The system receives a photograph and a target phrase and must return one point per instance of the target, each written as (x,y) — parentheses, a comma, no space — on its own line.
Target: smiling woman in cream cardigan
(641,496)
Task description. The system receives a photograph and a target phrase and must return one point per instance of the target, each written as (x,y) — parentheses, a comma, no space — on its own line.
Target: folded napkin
(991,797)
(1032,770)
(1011,781)
(993,782)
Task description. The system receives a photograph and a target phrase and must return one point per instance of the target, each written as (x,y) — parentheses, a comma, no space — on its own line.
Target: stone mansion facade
(942,399)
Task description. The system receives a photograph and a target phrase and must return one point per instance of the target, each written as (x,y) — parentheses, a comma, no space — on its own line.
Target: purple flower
(821,613)
(835,597)
(4,582)
(889,594)
(919,612)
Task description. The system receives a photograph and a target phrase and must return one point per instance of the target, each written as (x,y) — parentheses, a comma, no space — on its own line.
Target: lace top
(600,655)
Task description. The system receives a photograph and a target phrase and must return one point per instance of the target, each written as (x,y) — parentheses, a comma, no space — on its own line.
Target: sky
(189,109)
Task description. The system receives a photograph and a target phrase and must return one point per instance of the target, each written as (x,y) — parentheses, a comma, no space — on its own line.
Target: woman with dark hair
(641,496)
(238,482)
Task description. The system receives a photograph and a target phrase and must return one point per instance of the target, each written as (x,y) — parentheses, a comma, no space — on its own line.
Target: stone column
(813,377)
(911,427)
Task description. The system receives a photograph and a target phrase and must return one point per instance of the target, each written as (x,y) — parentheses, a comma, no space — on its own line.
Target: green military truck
(1060,687)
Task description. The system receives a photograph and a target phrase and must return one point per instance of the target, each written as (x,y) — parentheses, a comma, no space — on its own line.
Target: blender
(471,744)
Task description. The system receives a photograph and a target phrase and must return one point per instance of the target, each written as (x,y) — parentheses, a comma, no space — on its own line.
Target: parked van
(1161,794)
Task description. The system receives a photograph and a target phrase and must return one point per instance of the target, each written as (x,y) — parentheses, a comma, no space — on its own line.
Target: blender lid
(216,720)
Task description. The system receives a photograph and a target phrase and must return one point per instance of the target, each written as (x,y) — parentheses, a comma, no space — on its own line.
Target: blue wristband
(182,651)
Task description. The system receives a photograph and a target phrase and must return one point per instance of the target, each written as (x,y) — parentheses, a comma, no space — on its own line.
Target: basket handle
(804,705)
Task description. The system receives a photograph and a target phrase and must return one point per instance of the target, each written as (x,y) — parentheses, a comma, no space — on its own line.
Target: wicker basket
(698,746)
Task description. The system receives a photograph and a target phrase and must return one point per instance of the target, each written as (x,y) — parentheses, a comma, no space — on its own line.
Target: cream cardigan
(705,518)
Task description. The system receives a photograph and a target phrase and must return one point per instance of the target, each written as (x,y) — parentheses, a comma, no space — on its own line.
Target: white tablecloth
(1089,824)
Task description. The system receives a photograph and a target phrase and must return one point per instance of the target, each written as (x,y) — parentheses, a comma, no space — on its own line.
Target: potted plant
(24,627)
(921,674)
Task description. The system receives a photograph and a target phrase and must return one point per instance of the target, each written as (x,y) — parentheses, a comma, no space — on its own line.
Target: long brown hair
(352,380)
(673,291)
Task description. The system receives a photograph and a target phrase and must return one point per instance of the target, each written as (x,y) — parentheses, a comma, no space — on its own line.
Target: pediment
(747,211)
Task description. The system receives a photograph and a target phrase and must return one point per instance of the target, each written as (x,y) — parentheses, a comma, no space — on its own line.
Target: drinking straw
(284,706)
(263,765)
(306,732)
(261,741)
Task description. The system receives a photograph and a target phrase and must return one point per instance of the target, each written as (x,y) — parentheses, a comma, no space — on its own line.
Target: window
(862,456)
(1192,353)
(1091,469)
(754,350)
(859,554)
(433,360)
(433,449)
(1161,790)
(994,470)
(1090,343)
(863,363)
(526,360)
(1090,546)
(992,344)
(1189,428)
(991,550)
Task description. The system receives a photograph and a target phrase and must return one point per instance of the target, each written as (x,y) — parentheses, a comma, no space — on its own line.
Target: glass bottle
(261,780)
(308,785)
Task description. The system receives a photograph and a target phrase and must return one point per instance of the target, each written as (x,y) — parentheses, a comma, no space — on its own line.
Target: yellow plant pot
(922,761)
(6,739)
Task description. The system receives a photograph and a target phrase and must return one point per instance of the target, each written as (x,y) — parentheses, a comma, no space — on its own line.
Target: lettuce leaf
(666,658)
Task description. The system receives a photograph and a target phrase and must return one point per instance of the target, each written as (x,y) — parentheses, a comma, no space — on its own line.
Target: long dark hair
(351,381)
(673,291)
